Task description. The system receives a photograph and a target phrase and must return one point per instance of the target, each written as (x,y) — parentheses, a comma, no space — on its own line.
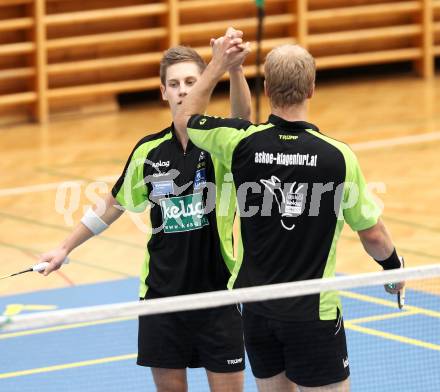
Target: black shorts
(312,353)
(209,338)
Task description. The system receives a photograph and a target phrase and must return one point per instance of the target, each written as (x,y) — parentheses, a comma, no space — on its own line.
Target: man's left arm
(239,94)
(196,102)
(226,55)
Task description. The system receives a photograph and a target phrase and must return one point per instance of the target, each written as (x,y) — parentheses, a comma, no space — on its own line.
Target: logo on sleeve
(183,213)
(162,188)
(202,121)
(200,178)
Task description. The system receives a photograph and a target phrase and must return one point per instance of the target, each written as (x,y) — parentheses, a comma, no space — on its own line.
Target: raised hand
(229,51)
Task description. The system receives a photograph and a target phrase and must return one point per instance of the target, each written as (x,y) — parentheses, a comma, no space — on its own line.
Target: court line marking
(63,327)
(410,223)
(368,298)
(402,249)
(381,317)
(74,261)
(391,336)
(120,319)
(14,309)
(59,173)
(65,366)
(51,186)
(136,246)
(351,325)
(141,247)
(390,304)
(364,146)
(396,141)
(348,325)
(30,221)
(62,275)
(410,310)
(95,162)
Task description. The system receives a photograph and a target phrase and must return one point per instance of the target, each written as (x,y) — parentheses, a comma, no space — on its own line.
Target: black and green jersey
(295,187)
(189,250)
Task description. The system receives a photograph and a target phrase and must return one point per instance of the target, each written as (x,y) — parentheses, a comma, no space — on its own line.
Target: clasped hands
(229,51)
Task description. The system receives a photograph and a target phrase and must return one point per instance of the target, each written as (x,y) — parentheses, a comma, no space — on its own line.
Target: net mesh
(94,348)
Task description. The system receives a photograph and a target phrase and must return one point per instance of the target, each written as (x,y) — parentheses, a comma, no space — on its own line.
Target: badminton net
(94,348)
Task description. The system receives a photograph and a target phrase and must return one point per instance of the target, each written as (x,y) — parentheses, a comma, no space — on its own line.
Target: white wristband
(93,222)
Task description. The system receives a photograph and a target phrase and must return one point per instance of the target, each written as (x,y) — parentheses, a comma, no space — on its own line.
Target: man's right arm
(129,192)
(377,241)
(378,244)
(364,218)
(79,235)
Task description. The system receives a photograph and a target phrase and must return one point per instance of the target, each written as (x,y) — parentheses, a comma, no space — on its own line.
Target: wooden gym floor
(392,123)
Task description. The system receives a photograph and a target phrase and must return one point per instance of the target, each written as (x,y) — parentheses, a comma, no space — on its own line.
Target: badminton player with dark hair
(189,250)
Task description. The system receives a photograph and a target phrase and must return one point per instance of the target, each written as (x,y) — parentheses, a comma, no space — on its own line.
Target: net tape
(214,299)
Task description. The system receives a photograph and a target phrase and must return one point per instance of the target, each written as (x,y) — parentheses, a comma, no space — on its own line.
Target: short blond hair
(179,54)
(290,72)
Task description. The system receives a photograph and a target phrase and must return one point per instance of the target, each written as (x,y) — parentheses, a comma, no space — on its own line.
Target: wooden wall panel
(436,28)
(65,51)
(17,70)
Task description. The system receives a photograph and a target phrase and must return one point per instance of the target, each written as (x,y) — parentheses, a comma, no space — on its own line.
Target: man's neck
(183,139)
(291,113)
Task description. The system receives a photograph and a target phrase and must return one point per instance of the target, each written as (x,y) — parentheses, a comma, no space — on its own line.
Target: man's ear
(266,92)
(311,92)
(163,91)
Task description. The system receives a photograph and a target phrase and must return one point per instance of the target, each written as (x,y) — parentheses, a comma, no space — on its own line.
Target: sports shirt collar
(292,126)
(190,144)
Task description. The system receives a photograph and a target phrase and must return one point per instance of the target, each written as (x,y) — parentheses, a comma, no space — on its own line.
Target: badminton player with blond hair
(295,188)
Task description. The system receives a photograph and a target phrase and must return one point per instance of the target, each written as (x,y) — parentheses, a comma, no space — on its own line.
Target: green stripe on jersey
(222,141)
(133,194)
(362,215)
(145,270)
(363,212)
(225,205)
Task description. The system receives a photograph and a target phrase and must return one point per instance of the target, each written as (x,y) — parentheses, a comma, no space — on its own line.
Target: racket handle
(401,293)
(401,298)
(42,266)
